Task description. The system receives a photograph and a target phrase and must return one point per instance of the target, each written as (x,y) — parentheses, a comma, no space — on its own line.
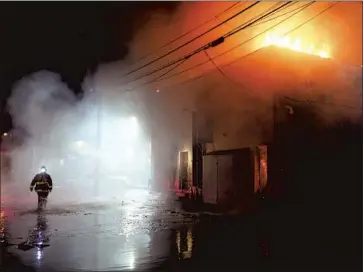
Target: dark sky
(65,37)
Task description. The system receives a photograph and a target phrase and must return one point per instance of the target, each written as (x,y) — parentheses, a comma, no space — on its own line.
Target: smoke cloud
(56,129)
(239,98)
(233,104)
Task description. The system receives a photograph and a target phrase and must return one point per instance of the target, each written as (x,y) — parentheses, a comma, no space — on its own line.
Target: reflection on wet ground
(118,233)
(154,234)
(2,226)
(184,242)
(38,237)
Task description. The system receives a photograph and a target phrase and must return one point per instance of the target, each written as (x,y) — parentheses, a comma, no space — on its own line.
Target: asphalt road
(147,231)
(129,234)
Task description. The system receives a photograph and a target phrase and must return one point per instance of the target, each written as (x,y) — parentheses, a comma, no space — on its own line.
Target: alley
(152,233)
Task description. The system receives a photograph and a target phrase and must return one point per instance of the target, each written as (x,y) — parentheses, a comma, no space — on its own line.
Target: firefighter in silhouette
(43,186)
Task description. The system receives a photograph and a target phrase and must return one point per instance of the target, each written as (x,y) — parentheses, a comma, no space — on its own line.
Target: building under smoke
(246,110)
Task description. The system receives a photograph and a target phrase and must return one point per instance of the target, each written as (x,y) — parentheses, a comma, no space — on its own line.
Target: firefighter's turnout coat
(42,182)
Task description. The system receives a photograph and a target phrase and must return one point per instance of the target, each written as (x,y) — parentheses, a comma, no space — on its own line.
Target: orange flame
(295,45)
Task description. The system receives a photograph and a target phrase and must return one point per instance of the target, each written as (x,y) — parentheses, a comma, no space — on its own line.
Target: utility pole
(98,159)
(98,168)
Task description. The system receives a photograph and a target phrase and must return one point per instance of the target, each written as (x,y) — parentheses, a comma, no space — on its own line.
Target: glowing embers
(295,45)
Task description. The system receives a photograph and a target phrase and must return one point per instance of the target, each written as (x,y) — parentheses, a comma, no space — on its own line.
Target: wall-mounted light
(290,109)
(80,144)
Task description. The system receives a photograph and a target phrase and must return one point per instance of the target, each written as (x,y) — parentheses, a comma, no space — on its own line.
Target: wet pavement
(132,234)
(151,232)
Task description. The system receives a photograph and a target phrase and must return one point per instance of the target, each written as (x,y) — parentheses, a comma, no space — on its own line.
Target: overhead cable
(215,17)
(297,10)
(322,103)
(159,77)
(194,39)
(213,43)
(258,50)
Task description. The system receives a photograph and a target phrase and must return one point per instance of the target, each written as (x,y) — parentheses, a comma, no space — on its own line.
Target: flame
(295,45)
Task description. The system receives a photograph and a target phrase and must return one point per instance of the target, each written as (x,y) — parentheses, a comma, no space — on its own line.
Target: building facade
(328,90)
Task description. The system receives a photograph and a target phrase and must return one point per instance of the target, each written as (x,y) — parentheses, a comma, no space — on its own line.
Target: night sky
(65,37)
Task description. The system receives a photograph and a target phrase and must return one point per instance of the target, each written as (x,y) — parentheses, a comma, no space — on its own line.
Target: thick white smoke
(88,145)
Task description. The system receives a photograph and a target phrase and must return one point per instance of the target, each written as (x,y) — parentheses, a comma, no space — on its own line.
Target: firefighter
(43,186)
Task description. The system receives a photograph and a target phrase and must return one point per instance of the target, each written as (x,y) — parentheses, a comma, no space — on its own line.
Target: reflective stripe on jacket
(42,182)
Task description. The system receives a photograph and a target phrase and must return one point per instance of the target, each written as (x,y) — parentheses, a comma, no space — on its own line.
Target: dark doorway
(183,170)
(198,165)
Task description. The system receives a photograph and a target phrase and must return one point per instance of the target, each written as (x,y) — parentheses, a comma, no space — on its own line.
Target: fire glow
(294,44)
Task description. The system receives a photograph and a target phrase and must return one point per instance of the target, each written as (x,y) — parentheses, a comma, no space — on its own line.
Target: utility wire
(321,102)
(238,28)
(255,17)
(319,110)
(189,31)
(214,43)
(219,69)
(298,10)
(290,31)
(159,78)
(173,68)
(257,50)
(195,38)
(278,16)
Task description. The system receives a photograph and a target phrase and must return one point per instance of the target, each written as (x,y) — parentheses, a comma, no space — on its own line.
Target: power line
(211,44)
(278,16)
(298,10)
(257,50)
(160,77)
(239,28)
(157,78)
(189,31)
(292,30)
(219,69)
(214,43)
(321,102)
(195,38)
(173,68)
(255,17)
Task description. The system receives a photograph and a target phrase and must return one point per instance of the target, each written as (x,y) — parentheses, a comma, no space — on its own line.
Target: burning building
(270,88)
